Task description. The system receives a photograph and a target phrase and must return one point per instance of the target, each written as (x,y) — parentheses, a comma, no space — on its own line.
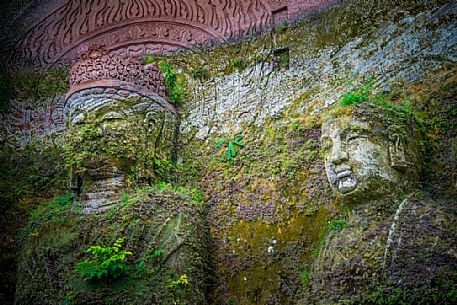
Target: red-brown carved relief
(64,28)
(182,23)
(98,65)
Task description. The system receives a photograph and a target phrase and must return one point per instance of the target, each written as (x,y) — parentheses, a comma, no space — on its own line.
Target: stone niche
(119,123)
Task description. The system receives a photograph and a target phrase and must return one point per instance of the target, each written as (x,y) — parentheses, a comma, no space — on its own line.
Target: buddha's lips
(342,171)
(343,174)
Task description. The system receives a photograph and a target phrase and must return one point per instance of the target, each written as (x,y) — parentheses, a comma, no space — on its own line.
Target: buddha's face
(357,161)
(117,142)
(122,134)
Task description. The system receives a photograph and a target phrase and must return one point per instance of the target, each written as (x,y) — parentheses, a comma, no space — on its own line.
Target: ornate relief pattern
(98,65)
(26,120)
(167,22)
(132,39)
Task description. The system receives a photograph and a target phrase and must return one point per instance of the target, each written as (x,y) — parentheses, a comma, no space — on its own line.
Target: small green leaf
(218,144)
(231,150)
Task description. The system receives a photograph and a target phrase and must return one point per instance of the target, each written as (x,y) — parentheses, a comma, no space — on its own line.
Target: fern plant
(357,94)
(182,281)
(106,263)
(233,145)
(174,82)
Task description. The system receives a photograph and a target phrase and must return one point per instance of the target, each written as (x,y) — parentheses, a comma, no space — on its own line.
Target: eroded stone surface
(98,65)
(392,50)
(360,265)
(26,120)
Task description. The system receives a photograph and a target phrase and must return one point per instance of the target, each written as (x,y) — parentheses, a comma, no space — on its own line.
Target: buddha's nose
(339,153)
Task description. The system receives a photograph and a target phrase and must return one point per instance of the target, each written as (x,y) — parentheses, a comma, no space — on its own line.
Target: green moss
(200,73)
(281,27)
(6,84)
(237,64)
(356,95)
(338,224)
(304,277)
(150,220)
(193,193)
(47,84)
(33,171)
(250,240)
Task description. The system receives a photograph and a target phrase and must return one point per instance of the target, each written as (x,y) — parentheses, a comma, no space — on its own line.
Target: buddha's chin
(346,185)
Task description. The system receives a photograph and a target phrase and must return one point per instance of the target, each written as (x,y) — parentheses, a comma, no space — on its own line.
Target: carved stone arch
(53,32)
(136,38)
(56,32)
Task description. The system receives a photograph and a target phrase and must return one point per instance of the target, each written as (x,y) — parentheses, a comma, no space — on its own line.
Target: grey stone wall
(402,49)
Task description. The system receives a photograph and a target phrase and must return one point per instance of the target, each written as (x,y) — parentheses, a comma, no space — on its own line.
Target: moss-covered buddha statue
(397,245)
(119,124)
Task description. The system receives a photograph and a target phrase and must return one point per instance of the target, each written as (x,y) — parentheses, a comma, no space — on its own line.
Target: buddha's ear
(397,152)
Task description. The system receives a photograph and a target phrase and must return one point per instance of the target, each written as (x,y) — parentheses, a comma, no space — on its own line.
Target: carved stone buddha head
(368,152)
(119,124)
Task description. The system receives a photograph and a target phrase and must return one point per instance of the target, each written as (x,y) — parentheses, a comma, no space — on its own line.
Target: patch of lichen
(153,218)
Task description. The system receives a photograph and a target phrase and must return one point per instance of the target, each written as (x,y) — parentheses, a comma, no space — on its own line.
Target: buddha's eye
(112,116)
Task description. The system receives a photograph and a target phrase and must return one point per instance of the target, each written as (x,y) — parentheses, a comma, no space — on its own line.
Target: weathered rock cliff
(325,153)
